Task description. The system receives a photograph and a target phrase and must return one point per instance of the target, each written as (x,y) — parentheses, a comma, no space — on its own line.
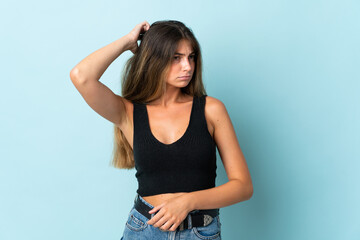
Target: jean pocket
(136,221)
(211,231)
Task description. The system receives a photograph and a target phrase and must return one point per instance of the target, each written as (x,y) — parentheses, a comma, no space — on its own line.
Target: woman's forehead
(184,46)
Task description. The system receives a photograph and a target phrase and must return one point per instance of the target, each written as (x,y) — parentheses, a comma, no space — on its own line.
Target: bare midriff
(156,200)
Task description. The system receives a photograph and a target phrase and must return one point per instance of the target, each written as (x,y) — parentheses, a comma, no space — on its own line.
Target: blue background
(287,71)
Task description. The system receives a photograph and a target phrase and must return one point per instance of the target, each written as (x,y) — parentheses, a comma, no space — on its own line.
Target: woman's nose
(186,64)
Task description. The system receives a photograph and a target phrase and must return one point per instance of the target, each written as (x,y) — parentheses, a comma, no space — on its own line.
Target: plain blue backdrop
(287,72)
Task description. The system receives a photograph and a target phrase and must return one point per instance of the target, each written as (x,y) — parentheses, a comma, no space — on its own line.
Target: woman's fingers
(156,208)
(166,223)
(167,226)
(141,27)
(134,35)
(160,222)
(137,33)
(146,25)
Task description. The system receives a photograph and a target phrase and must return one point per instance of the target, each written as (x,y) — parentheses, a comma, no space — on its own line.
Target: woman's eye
(190,57)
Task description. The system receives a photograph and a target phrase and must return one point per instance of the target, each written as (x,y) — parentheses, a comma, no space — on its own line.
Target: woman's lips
(185,77)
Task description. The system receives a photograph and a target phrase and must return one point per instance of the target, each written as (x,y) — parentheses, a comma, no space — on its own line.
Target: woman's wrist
(189,198)
(123,44)
(126,42)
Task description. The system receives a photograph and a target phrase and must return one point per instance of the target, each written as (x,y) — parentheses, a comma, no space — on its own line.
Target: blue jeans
(136,228)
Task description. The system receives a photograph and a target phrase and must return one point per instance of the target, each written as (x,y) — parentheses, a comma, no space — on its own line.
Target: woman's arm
(93,66)
(86,74)
(239,187)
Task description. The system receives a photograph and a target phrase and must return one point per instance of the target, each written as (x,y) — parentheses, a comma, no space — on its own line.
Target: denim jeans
(136,228)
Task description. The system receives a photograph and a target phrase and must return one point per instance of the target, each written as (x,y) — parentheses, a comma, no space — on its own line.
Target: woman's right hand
(133,36)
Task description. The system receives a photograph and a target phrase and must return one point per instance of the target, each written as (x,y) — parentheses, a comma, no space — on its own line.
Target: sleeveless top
(186,165)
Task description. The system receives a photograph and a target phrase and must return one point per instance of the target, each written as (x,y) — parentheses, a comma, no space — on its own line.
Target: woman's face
(183,64)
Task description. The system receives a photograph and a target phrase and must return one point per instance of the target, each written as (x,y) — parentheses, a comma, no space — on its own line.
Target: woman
(168,129)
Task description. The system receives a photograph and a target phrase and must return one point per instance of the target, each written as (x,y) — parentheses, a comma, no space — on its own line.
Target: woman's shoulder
(214,103)
(213,109)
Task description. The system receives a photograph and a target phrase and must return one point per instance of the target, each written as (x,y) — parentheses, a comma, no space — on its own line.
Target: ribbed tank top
(186,165)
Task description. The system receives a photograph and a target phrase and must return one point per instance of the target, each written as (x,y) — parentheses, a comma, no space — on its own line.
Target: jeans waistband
(195,218)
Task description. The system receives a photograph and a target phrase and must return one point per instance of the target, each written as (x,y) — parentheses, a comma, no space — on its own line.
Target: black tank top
(186,165)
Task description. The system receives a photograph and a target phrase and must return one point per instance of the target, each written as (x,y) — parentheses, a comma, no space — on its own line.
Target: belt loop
(189,221)
(181,226)
(135,198)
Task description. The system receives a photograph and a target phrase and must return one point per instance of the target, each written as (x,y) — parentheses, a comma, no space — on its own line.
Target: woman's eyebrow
(182,53)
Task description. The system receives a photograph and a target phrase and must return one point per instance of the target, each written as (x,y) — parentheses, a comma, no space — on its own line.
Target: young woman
(168,129)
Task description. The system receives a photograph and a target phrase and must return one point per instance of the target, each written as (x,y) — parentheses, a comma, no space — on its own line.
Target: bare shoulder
(213,109)
(214,106)
(214,102)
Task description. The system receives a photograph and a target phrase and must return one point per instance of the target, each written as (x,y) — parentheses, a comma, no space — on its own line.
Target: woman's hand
(172,212)
(133,36)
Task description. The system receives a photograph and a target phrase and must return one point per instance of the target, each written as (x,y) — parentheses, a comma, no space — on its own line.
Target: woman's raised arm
(86,74)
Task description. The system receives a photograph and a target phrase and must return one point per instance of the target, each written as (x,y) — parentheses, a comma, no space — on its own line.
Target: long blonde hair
(144,76)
